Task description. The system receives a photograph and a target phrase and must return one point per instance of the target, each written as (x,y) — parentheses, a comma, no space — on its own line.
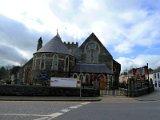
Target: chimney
(40,42)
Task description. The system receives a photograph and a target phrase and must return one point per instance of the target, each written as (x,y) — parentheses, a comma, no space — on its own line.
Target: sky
(129,29)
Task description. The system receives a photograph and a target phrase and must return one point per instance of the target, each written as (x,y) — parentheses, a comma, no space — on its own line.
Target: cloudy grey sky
(129,29)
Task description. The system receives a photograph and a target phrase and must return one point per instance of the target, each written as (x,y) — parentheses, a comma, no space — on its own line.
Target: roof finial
(57,33)
(40,43)
(57,30)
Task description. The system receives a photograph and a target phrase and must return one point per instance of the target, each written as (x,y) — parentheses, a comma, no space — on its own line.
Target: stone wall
(134,89)
(19,90)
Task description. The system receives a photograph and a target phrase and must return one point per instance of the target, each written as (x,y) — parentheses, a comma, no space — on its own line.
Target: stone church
(90,62)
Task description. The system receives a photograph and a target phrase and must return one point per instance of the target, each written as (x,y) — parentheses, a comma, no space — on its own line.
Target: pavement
(47,98)
(154,96)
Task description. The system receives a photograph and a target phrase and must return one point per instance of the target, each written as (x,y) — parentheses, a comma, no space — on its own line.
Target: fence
(116,92)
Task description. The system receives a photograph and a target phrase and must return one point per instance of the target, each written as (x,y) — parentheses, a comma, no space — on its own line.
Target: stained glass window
(55,62)
(92,53)
(67,64)
(42,63)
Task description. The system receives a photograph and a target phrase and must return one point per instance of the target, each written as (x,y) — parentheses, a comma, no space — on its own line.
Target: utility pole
(148,78)
(80,88)
(148,71)
(80,83)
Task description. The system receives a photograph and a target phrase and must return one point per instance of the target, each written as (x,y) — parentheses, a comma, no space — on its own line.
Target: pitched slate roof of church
(92,68)
(55,45)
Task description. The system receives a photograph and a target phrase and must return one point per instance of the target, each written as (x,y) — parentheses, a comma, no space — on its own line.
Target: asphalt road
(115,111)
(35,110)
(115,108)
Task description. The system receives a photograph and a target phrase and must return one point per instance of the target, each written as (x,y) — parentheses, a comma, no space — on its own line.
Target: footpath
(47,98)
(154,96)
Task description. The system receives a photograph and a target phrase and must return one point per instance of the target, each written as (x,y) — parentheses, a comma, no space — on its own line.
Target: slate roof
(92,68)
(156,70)
(55,45)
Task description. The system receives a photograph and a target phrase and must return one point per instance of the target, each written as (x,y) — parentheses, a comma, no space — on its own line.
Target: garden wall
(23,90)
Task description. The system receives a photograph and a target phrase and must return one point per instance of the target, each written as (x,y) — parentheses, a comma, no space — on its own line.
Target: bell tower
(40,42)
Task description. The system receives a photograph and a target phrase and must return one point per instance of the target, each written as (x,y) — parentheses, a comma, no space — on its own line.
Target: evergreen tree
(4,74)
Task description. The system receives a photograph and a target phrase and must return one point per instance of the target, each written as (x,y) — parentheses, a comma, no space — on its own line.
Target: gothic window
(34,65)
(75,75)
(92,53)
(34,62)
(87,79)
(55,62)
(42,62)
(67,64)
(81,77)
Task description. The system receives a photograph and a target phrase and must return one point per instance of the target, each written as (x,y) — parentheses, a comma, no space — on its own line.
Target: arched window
(55,62)
(67,64)
(42,62)
(81,77)
(34,63)
(92,51)
(87,79)
(75,75)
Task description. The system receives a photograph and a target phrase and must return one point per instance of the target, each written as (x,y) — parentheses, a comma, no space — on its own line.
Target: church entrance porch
(95,76)
(92,81)
(103,82)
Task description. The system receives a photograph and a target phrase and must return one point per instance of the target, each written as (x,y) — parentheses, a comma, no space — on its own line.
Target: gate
(109,92)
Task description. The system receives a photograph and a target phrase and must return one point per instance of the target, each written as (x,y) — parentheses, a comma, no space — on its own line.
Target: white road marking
(74,107)
(24,115)
(85,103)
(43,118)
(54,115)
(65,110)
(79,106)
(50,116)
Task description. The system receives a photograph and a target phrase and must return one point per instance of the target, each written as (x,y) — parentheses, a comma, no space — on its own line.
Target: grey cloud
(8,53)
(14,33)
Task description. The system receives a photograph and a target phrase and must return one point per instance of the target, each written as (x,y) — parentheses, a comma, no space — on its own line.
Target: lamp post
(80,78)
(80,88)
(148,78)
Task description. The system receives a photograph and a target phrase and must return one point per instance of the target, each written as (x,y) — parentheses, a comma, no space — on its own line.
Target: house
(155,76)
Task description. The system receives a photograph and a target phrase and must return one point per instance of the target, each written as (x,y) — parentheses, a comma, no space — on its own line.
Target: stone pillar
(131,87)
